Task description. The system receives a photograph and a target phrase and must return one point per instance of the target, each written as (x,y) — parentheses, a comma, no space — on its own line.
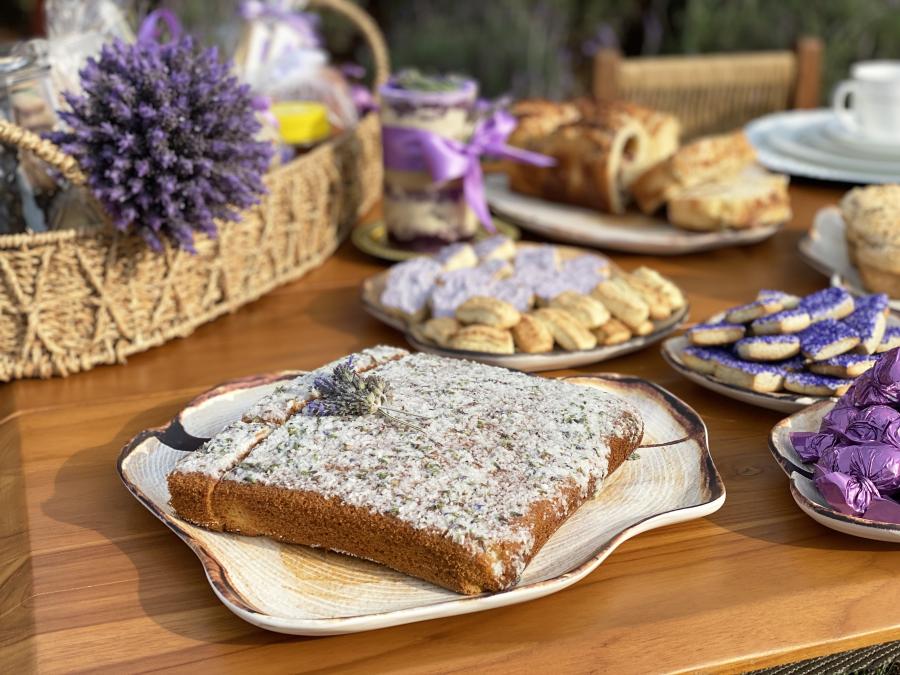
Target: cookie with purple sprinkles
(829,303)
(761,377)
(890,340)
(786,321)
(704,359)
(768,347)
(826,339)
(786,300)
(713,334)
(753,310)
(869,321)
(816,385)
(846,365)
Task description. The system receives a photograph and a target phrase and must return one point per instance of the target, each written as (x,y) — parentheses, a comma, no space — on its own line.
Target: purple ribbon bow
(407,149)
(147,32)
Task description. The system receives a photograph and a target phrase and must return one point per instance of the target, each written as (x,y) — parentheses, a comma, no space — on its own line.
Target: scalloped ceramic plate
(304,591)
(824,248)
(631,232)
(804,491)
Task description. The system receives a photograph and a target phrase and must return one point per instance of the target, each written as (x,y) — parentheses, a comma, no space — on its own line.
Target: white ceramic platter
(781,401)
(803,489)
(825,249)
(632,232)
(304,591)
(802,143)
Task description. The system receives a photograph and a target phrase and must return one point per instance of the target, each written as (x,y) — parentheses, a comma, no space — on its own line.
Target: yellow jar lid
(301,122)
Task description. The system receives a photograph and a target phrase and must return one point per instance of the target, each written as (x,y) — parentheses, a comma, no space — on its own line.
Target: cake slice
(461,482)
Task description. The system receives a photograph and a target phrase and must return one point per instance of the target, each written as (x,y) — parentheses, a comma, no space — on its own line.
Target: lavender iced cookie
(753,310)
(847,365)
(761,377)
(786,321)
(768,347)
(786,300)
(408,286)
(890,340)
(453,288)
(712,334)
(816,385)
(456,256)
(829,303)
(869,321)
(704,359)
(498,247)
(826,339)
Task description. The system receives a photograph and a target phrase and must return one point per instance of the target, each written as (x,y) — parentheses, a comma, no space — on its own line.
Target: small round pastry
(715,334)
(827,338)
(488,311)
(768,347)
(829,303)
(589,311)
(848,365)
(566,330)
(479,338)
(816,385)
(753,310)
(613,332)
(532,336)
(440,329)
(786,321)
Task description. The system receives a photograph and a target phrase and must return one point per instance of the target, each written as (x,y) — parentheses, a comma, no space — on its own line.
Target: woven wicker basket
(74,299)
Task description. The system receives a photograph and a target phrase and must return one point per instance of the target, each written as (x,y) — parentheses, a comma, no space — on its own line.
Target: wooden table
(90,580)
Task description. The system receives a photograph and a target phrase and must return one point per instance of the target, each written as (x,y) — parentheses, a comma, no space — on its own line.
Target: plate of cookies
(855,244)
(523,305)
(785,352)
(706,194)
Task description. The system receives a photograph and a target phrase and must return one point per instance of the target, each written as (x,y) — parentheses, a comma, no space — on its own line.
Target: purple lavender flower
(165,135)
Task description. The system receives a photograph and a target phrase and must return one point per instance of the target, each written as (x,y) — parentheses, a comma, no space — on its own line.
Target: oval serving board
(304,591)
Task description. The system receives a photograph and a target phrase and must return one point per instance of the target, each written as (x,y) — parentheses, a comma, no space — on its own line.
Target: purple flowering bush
(165,136)
(856,452)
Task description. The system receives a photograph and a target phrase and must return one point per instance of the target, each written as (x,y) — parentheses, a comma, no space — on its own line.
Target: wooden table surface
(89,579)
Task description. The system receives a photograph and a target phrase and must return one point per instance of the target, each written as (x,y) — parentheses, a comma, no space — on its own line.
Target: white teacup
(873,108)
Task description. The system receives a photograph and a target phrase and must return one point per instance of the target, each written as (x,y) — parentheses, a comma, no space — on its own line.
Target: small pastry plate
(780,401)
(558,359)
(632,232)
(304,591)
(372,238)
(824,248)
(803,489)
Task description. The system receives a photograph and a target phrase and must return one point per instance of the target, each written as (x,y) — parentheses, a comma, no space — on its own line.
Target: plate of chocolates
(785,352)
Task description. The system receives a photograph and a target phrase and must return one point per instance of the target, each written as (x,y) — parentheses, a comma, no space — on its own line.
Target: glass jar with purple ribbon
(420,209)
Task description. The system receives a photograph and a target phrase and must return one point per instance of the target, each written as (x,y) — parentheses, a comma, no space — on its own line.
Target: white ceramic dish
(781,142)
(804,491)
(633,232)
(825,249)
(303,591)
(781,401)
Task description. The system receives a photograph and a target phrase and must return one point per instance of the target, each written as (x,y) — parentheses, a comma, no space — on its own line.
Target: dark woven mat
(878,660)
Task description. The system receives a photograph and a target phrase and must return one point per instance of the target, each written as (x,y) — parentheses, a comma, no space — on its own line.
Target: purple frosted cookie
(704,359)
(497,247)
(752,311)
(890,340)
(514,292)
(754,375)
(586,270)
(537,258)
(786,300)
(847,365)
(827,338)
(456,256)
(786,321)
(829,303)
(408,286)
(548,287)
(816,385)
(454,288)
(712,334)
(794,363)
(869,322)
(768,347)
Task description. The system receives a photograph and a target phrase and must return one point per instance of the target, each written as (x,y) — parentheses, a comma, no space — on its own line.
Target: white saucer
(781,142)
(850,140)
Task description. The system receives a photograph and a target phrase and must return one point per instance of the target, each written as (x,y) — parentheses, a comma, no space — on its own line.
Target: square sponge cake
(461,482)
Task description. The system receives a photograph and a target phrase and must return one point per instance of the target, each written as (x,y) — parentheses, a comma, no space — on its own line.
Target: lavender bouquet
(856,452)
(165,136)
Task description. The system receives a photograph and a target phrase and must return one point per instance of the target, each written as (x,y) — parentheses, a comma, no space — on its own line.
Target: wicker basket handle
(10,134)
(367,26)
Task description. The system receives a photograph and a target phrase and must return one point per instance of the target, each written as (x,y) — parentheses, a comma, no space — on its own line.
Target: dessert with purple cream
(704,359)
(814,384)
(456,256)
(891,339)
(827,338)
(768,347)
(409,286)
(856,451)
(850,364)
(786,300)
(753,310)
(499,247)
(785,321)
(869,320)
(758,376)
(713,334)
(829,303)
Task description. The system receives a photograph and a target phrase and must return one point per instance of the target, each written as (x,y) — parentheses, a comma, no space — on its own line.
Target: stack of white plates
(814,144)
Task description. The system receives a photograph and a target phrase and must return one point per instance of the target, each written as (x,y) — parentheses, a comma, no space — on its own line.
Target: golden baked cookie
(532,336)
(653,279)
(488,311)
(566,330)
(480,338)
(613,332)
(623,302)
(588,311)
(440,329)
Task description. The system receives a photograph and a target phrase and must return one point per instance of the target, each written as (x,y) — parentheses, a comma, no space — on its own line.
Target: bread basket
(74,299)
